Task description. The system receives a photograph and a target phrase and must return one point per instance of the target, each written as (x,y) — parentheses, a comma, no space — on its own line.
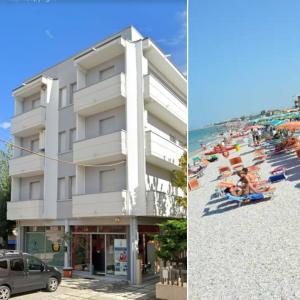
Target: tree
(179,180)
(6,226)
(173,241)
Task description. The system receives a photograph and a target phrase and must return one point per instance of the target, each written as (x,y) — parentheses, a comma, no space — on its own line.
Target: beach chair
(225,172)
(236,163)
(259,156)
(250,197)
(193,184)
(196,160)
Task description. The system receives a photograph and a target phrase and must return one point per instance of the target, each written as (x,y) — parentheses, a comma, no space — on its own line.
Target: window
(107,73)
(3,265)
(72,186)
(34,264)
(72,138)
(17,264)
(35,103)
(62,97)
(61,189)
(73,88)
(35,190)
(62,147)
(107,181)
(34,145)
(107,126)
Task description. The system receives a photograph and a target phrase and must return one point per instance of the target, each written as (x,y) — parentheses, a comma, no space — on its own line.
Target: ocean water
(205,136)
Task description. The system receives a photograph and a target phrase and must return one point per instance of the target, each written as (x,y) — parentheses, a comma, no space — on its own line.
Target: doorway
(98,253)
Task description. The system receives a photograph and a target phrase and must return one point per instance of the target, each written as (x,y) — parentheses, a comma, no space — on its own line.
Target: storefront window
(45,244)
(81,252)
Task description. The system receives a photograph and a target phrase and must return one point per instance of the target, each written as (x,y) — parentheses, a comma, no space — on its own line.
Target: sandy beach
(247,252)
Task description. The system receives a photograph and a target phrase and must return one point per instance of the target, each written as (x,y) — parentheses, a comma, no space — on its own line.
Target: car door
(35,272)
(17,275)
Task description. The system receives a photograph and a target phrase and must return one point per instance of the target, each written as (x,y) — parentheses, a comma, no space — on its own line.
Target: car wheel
(52,284)
(4,292)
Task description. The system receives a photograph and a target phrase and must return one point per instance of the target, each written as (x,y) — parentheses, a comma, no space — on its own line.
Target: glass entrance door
(98,253)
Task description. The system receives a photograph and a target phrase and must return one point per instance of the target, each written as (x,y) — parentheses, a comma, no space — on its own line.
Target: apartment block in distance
(110,126)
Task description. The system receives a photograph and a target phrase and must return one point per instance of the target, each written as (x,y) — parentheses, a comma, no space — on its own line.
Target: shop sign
(120,254)
(55,247)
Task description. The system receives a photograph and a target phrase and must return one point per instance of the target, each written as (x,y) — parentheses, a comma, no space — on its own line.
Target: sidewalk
(92,289)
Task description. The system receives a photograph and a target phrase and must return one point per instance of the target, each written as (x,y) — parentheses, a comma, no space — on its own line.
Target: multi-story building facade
(108,126)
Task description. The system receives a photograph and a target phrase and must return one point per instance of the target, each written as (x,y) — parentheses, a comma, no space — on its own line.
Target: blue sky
(36,34)
(244,56)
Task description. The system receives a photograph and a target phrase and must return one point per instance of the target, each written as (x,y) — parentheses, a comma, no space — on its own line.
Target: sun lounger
(224,172)
(251,197)
(193,184)
(236,163)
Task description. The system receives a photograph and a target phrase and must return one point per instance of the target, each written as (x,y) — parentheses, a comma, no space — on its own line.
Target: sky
(36,34)
(244,57)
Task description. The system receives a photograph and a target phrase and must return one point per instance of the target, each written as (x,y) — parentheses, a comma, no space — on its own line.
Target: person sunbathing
(247,187)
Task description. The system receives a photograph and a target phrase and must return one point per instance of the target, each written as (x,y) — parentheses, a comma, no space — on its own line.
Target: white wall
(25,187)
(92,179)
(92,122)
(92,75)
(27,102)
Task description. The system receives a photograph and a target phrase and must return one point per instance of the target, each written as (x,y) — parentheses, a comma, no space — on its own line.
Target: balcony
(162,152)
(162,205)
(101,96)
(25,166)
(101,204)
(164,104)
(101,149)
(25,210)
(29,123)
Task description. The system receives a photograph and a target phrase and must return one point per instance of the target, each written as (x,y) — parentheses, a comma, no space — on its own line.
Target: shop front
(100,250)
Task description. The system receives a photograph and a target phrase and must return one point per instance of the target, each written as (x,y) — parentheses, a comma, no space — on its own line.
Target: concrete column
(136,162)
(15,188)
(134,241)
(20,237)
(67,254)
(18,106)
(81,77)
(80,127)
(17,151)
(44,96)
(80,180)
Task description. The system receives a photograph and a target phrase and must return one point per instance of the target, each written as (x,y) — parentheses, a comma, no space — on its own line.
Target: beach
(246,252)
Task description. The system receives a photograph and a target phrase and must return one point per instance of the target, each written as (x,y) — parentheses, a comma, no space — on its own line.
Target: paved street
(92,289)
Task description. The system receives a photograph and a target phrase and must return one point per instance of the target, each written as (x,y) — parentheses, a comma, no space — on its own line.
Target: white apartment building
(110,126)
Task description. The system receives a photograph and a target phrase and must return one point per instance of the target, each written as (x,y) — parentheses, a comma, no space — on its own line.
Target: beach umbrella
(290,126)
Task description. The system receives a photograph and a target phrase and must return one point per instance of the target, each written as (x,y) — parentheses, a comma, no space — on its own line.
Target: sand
(247,252)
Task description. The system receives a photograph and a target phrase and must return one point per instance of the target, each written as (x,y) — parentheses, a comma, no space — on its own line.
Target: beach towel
(277,177)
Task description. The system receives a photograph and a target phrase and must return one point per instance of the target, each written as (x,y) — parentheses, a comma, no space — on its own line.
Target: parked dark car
(22,272)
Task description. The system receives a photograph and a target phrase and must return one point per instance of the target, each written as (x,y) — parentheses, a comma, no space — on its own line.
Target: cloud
(5,125)
(181,35)
(49,34)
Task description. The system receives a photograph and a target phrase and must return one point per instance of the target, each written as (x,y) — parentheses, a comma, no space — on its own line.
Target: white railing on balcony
(155,90)
(101,96)
(100,204)
(109,147)
(25,210)
(162,150)
(28,165)
(29,122)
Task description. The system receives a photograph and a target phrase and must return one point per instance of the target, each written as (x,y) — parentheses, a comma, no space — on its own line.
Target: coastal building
(106,128)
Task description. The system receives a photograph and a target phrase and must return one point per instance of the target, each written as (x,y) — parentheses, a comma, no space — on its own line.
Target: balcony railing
(25,210)
(101,96)
(28,165)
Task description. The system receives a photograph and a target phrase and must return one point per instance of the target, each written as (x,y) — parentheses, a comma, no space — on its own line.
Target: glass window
(107,126)
(72,186)
(107,181)
(72,138)
(62,145)
(35,103)
(61,189)
(35,244)
(54,252)
(35,190)
(34,264)
(3,264)
(62,97)
(107,73)
(34,145)
(81,252)
(73,88)
(17,264)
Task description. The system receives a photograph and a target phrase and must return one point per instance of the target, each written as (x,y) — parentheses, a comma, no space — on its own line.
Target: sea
(206,135)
